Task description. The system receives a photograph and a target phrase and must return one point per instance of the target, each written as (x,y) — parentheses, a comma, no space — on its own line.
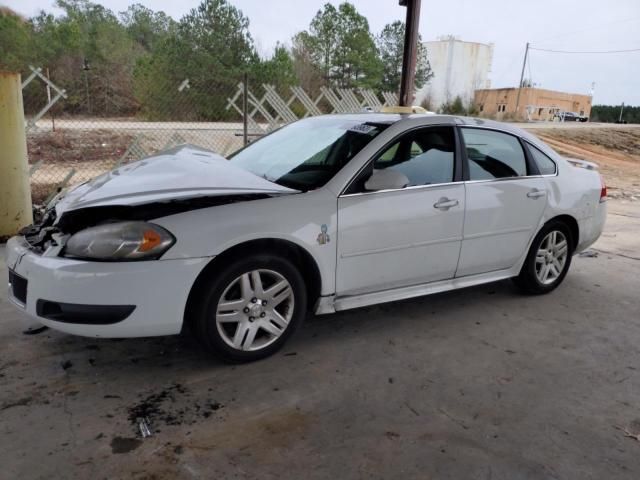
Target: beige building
(535,103)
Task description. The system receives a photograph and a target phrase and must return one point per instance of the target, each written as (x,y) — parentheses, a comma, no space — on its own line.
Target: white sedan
(326,214)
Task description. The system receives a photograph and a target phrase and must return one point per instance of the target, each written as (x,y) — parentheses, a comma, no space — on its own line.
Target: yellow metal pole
(15,192)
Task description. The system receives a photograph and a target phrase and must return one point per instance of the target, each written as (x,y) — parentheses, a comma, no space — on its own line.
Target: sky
(575,25)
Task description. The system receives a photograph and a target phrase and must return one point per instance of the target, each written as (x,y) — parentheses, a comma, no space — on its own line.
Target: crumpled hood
(182,172)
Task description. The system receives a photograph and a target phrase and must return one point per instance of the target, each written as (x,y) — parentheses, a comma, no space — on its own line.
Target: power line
(590,29)
(586,52)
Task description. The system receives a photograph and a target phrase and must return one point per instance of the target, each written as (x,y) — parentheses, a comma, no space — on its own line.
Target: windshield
(307,154)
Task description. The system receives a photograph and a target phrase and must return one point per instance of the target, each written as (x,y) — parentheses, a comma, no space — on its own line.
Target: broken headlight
(120,242)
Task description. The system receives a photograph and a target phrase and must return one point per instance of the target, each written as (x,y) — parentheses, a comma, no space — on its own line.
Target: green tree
(55,40)
(356,61)
(456,107)
(339,43)
(89,53)
(15,40)
(211,47)
(277,70)
(146,27)
(390,44)
(322,38)
(611,114)
(308,73)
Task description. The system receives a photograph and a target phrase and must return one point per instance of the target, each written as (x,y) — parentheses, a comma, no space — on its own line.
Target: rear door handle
(535,193)
(445,204)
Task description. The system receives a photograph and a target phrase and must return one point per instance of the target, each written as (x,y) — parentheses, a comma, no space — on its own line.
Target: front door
(505,201)
(403,236)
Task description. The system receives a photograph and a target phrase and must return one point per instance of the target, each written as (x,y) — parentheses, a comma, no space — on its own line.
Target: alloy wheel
(551,257)
(255,310)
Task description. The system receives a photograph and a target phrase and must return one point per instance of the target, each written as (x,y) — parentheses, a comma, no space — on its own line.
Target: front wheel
(250,308)
(548,260)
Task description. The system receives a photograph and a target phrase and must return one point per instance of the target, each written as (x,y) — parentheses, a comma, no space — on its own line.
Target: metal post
(245,109)
(85,69)
(621,110)
(53,120)
(410,53)
(524,64)
(15,191)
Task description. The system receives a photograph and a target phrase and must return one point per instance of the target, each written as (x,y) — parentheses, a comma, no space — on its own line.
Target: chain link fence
(75,133)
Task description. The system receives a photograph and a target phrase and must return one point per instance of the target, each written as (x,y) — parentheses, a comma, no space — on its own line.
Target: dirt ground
(89,152)
(615,150)
(53,155)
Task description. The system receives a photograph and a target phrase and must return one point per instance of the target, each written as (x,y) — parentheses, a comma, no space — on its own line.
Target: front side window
(307,154)
(493,154)
(546,166)
(425,156)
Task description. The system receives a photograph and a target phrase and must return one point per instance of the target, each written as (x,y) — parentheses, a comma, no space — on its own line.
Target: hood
(180,173)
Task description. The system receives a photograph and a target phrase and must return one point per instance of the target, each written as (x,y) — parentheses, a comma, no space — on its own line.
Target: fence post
(245,109)
(15,191)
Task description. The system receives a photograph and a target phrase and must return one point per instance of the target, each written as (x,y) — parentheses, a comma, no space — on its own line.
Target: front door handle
(445,204)
(535,193)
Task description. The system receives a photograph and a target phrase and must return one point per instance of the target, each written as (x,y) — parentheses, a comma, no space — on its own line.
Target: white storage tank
(459,69)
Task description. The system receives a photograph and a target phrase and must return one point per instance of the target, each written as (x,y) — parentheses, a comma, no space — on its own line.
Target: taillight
(603,190)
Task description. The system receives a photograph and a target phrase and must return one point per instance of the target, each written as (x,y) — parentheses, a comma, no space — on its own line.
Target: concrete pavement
(482,383)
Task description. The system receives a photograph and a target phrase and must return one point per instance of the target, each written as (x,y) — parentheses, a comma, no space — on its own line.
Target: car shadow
(158,355)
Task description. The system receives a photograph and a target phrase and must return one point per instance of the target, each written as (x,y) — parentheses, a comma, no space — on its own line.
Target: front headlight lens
(120,242)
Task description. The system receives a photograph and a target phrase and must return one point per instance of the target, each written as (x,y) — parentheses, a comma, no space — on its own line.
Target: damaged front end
(51,231)
(171,182)
(39,235)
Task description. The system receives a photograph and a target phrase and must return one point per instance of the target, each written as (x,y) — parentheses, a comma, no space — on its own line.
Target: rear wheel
(249,309)
(548,260)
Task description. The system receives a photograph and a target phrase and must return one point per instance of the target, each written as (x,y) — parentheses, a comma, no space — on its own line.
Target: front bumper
(158,289)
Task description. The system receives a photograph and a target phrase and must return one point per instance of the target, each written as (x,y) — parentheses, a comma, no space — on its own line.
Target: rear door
(505,200)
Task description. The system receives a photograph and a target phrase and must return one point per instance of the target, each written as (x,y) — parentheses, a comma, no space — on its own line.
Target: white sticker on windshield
(361,128)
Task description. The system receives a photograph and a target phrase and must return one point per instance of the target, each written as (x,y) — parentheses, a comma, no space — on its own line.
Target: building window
(502,107)
(481,107)
(540,110)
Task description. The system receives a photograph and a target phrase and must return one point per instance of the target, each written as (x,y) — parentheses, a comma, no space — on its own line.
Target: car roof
(425,118)
(414,119)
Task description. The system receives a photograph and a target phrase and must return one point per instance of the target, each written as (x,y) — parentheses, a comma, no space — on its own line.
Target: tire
(238,329)
(530,278)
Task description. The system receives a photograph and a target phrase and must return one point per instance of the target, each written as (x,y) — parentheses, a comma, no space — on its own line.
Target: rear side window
(493,154)
(545,164)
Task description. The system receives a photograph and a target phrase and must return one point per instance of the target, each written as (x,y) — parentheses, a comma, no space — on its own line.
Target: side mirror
(386,180)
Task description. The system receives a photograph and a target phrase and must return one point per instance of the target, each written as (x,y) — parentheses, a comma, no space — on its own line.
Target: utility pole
(524,64)
(410,52)
(15,191)
(621,110)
